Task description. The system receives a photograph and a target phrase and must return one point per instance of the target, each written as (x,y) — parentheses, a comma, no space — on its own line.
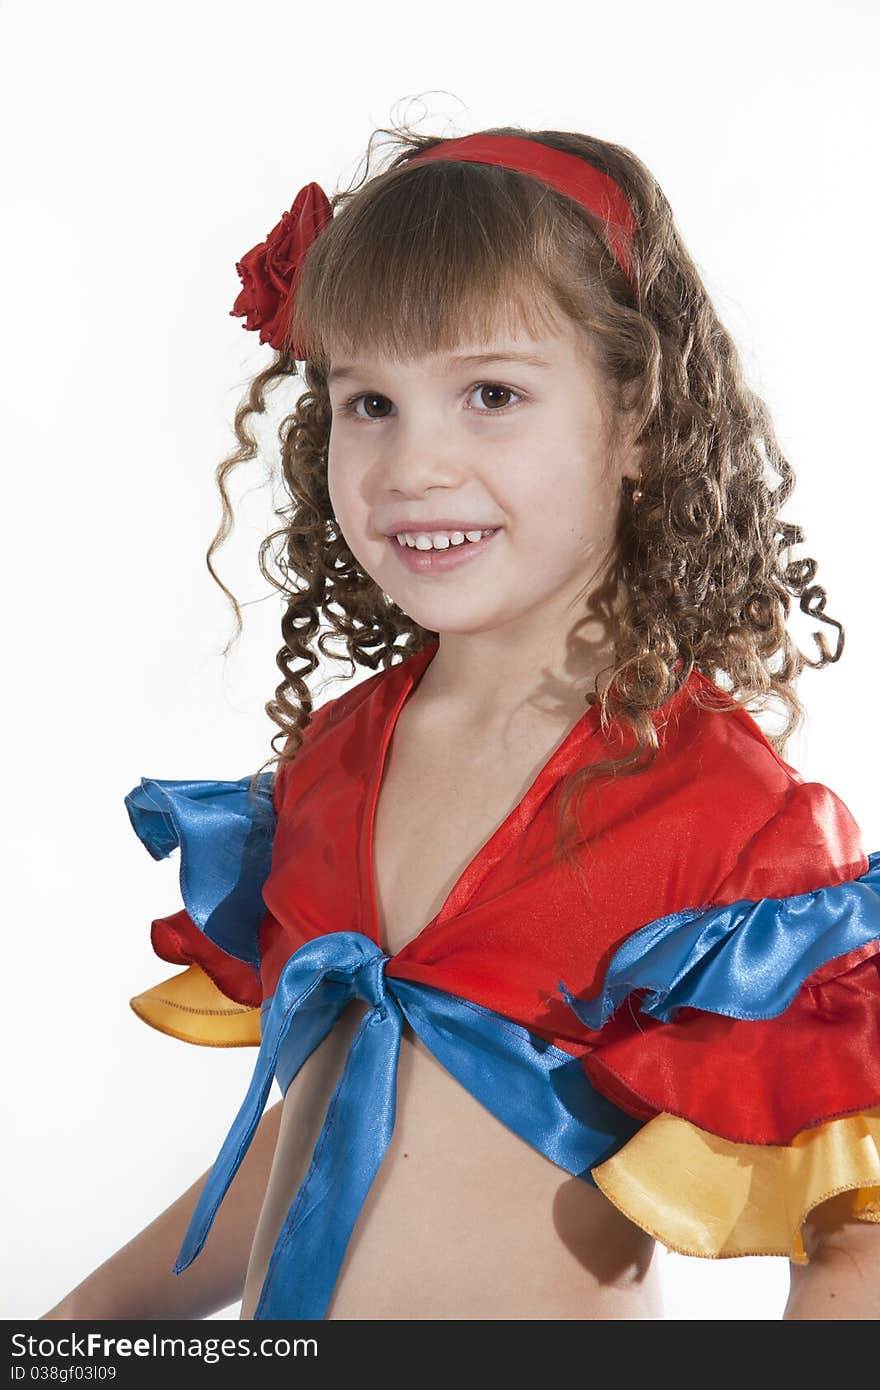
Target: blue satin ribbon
(537,1090)
(746,960)
(225,836)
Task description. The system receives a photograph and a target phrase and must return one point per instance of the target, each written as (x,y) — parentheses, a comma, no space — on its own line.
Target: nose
(422,457)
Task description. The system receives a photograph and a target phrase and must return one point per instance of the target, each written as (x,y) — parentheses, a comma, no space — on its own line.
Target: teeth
(438,540)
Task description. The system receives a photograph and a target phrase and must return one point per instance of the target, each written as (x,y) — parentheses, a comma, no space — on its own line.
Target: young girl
(551,953)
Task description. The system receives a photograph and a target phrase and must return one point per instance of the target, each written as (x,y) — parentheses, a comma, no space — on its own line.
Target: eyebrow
(460,359)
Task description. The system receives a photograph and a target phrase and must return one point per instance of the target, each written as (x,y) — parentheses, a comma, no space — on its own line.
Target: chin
(453,620)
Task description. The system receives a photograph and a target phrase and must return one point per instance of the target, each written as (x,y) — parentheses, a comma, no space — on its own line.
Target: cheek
(351,511)
(343,495)
(572,507)
(550,493)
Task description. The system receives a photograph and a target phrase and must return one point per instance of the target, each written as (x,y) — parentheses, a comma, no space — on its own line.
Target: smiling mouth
(431,560)
(426,541)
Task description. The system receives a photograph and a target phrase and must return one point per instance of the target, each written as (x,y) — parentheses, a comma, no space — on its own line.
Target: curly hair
(700,573)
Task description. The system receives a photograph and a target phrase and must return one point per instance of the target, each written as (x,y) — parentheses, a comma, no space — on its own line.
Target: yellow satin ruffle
(703,1195)
(189,1006)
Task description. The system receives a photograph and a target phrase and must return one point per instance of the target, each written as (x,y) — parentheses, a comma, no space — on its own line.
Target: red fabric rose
(270,271)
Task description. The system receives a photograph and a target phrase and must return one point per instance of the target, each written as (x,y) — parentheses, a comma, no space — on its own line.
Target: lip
(439,523)
(437,561)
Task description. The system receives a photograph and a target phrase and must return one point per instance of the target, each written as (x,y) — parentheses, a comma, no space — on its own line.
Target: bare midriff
(464,1219)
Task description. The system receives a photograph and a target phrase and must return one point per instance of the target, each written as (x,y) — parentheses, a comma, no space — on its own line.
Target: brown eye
(369,399)
(494,392)
(495,398)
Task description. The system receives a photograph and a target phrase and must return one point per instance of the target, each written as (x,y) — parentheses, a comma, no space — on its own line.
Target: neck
(487,676)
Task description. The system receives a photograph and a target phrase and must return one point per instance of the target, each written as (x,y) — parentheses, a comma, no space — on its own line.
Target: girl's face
(447,444)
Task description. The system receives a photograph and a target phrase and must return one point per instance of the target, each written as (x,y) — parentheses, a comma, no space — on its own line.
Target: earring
(637,493)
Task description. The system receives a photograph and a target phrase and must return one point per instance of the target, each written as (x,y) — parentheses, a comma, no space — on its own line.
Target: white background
(146,150)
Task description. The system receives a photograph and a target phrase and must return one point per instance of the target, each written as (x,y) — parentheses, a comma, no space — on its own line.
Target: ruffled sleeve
(225,835)
(745,1034)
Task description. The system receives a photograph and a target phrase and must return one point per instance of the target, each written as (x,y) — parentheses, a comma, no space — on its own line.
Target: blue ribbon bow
(536,1089)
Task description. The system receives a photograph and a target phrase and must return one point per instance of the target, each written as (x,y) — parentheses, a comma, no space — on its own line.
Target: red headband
(270,272)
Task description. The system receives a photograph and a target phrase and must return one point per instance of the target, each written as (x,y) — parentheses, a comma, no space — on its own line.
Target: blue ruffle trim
(746,960)
(225,836)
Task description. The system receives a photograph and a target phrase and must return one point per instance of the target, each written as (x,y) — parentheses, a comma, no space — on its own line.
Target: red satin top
(718,817)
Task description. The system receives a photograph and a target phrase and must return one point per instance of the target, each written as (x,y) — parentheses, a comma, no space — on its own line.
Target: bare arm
(842,1280)
(137,1282)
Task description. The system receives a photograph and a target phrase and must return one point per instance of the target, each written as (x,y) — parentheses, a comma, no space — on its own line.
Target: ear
(632,471)
(628,455)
